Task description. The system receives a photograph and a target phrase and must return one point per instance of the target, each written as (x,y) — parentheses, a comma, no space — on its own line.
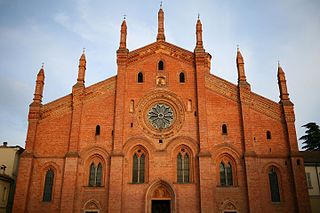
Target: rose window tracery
(161,116)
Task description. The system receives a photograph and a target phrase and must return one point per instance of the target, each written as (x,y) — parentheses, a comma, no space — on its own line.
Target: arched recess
(160,191)
(280,180)
(54,167)
(228,206)
(190,142)
(229,173)
(226,148)
(91,206)
(131,142)
(95,155)
(185,146)
(227,155)
(142,169)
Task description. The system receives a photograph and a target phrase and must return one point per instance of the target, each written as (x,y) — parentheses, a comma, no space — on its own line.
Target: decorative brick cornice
(257,102)
(72,155)
(116,153)
(204,154)
(161,47)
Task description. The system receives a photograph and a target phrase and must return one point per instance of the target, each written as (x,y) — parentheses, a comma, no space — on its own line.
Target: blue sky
(54,32)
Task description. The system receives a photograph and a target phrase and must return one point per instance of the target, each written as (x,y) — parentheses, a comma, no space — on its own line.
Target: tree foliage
(312,137)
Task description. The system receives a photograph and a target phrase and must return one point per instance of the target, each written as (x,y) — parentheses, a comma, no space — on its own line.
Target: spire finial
(83,50)
(160,4)
(37,98)
(284,95)
(240,68)
(161,36)
(124,16)
(199,43)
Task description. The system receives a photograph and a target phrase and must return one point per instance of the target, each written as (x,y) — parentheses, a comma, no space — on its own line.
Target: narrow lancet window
(268,135)
(183,167)
(226,178)
(274,186)
(160,65)
(181,78)
(48,186)
(224,129)
(98,130)
(140,77)
(138,168)
(92,174)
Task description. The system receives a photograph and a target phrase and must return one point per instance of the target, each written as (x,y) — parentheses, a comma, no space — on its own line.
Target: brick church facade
(163,135)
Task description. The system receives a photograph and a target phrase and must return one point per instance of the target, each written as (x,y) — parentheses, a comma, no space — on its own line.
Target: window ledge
(189,183)
(276,203)
(137,183)
(92,188)
(220,186)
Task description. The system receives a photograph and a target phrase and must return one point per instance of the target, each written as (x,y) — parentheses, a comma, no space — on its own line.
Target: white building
(312,168)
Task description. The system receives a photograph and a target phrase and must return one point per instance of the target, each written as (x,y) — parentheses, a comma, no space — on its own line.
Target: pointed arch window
(138,168)
(48,186)
(95,174)
(183,167)
(226,178)
(140,77)
(160,65)
(274,185)
(181,77)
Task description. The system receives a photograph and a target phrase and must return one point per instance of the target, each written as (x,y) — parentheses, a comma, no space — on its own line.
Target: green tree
(312,137)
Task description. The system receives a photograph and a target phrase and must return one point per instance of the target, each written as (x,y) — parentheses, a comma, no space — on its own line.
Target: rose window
(160,116)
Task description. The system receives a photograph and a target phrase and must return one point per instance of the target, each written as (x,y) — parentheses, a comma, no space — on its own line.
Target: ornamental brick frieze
(164,48)
(58,107)
(222,87)
(266,106)
(105,88)
(256,102)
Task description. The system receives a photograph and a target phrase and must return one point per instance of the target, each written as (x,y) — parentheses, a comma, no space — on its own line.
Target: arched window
(95,175)
(48,185)
(226,178)
(274,185)
(138,168)
(92,175)
(268,135)
(99,175)
(183,167)
(181,77)
(222,174)
(98,130)
(224,129)
(160,65)
(140,77)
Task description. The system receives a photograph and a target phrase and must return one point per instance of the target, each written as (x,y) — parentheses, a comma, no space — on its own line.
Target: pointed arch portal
(160,197)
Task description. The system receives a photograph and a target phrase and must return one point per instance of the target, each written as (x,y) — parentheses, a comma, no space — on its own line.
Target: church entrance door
(160,206)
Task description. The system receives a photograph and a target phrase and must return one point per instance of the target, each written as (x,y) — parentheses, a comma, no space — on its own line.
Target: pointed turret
(284,95)
(123,35)
(161,36)
(39,86)
(199,44)
(82,68)
(240,67)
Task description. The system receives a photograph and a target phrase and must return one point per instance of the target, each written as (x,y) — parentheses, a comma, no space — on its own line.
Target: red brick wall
(66,142)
